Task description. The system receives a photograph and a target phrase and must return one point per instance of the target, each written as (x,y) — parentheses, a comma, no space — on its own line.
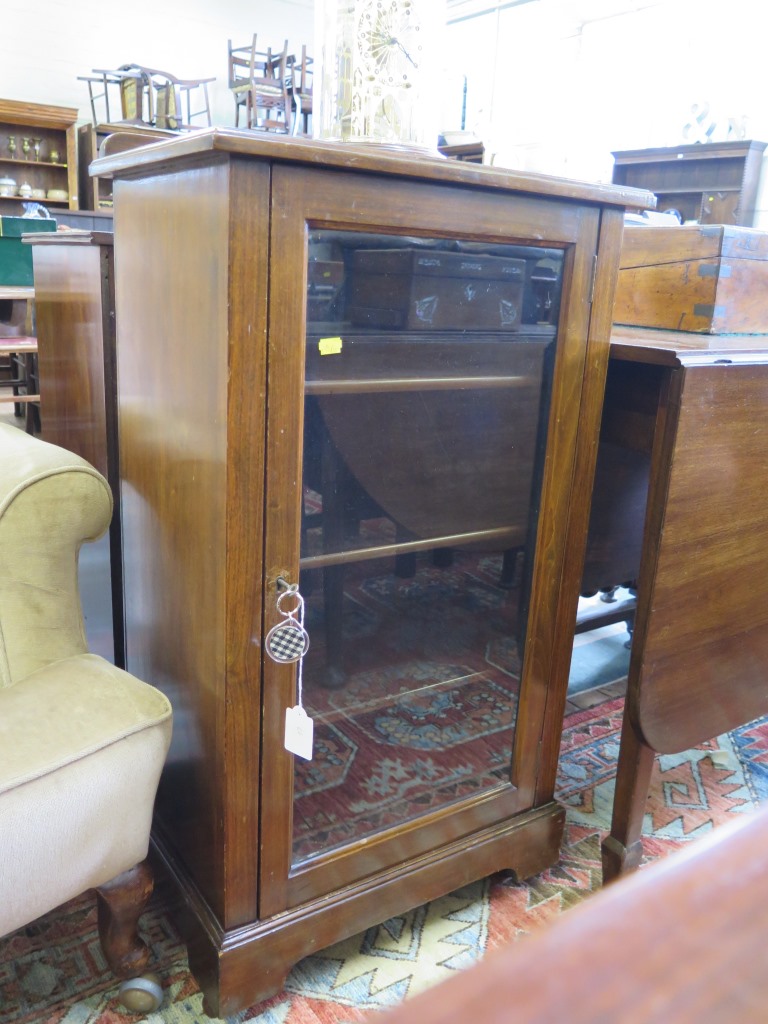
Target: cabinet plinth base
(245,966)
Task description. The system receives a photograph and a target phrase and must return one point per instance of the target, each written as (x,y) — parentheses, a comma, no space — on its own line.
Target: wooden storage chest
(710,279)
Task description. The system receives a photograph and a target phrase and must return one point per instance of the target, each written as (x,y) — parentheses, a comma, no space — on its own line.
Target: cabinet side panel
(68,302)
(172,230)
(249,244)
(588,392)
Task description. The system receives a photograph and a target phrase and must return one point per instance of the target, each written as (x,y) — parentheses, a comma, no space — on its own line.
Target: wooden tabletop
(683,348)
(10,291)
(18,344)
(681,941)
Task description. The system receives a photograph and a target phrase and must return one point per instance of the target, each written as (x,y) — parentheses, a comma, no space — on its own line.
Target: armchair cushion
(89,705)
(51,501)
(82,744)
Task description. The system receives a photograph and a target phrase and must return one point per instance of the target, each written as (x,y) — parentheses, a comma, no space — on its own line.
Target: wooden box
(710,279)
(415,290)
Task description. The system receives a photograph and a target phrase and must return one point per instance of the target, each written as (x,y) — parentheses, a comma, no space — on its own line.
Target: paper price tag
(329,346)
(299,729)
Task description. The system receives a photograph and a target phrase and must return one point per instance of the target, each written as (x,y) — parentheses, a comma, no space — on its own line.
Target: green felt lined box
(15,256)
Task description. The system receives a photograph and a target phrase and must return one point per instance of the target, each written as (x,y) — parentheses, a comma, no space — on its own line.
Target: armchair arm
(51,502)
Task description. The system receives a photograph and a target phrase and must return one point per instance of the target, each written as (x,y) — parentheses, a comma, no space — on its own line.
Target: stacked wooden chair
(259,83)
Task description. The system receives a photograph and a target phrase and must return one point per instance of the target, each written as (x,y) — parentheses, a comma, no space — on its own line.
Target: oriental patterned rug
(52,972)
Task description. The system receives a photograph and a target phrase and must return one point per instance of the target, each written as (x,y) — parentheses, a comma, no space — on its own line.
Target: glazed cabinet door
(426,356)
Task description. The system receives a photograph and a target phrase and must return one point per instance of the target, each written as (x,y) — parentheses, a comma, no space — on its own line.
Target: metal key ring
(293,592)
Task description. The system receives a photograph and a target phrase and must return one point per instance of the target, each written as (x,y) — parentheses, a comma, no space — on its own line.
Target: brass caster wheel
(141,995)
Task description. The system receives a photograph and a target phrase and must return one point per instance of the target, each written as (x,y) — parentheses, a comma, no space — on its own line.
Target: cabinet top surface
(697,150)
(39,114)
(77,236)
(370,159)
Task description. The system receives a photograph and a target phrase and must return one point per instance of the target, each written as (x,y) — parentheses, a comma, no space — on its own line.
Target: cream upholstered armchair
(82,743)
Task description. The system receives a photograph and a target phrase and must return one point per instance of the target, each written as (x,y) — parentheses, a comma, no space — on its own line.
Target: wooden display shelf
(55,128)
(31,163)
(29,199)
(501,537)
(380,385)
(713,183)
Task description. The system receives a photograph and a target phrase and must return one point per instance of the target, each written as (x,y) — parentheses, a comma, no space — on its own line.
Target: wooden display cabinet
(712,183)
(54,130)
(426,487)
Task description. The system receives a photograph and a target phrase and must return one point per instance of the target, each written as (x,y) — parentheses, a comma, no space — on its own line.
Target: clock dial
(390,41)
(379,77)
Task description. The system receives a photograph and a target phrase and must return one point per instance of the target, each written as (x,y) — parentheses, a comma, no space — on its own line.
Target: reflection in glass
(427,373)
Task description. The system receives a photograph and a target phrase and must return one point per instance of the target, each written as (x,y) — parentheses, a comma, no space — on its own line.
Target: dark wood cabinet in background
(75,317)
(283,420)
(712,183)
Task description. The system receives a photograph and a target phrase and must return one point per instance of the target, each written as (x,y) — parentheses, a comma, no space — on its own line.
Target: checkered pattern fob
(288,642)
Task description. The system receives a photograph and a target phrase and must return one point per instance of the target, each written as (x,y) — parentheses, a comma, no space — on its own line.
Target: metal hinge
(594,278)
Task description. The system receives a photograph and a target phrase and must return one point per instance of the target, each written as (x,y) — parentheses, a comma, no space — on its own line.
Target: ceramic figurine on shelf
(35,210)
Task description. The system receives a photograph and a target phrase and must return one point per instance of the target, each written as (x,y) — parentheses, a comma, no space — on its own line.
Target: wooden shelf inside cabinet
(503,537)
(713,183)
(49,131)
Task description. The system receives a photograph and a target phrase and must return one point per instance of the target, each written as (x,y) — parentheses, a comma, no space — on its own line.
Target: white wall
(556,85)
(553,85)
(46,44)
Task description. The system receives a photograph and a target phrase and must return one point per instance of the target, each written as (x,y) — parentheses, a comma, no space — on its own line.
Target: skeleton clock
(377,71)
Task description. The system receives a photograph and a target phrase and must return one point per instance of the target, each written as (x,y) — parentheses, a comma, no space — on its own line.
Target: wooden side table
(696,404)
(18,353)
(19,360)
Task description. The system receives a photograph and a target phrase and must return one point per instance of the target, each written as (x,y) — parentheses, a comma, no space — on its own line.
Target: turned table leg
(121,902)
(622,850)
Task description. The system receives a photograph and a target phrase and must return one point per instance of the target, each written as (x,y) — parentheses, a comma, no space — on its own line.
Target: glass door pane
(426,396)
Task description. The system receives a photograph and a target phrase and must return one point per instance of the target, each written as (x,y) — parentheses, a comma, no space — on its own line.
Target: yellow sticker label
(329,346)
